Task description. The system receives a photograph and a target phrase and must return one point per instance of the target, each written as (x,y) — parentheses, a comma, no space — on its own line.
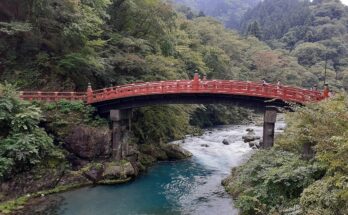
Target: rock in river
(175,152)
(226,142)
(250,136)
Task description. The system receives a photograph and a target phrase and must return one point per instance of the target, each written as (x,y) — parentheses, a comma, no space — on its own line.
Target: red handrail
(228,87)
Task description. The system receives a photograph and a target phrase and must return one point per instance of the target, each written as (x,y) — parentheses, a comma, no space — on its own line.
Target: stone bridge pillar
(120,120)
(269,120)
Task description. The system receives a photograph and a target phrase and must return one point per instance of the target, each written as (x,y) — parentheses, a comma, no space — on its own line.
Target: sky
(344,2)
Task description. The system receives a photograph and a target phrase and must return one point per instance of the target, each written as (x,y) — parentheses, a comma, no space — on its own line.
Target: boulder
(154,151)
(226,142)
(175,152)
(250,136)
(93,172)
(205,145)
(118,170)
(88,142)
(113,170)
(254,144)
(249,130)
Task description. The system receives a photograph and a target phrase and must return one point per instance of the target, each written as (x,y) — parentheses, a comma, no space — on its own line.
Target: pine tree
(254,30)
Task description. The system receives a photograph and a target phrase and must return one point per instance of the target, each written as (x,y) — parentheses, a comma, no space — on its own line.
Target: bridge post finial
(89,93)
(196,81)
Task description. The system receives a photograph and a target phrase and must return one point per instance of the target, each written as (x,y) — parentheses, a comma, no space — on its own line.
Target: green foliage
(14,27)
(309,53)
(271,181)
(62,116)
(254,30)
(276,17)
(313,31)
(328,196)
(230,12)
(161,123)
(278,181)
(9,206)
(211,115)
(22,143)
(317,125)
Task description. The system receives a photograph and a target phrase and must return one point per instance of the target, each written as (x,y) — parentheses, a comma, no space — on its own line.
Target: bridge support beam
(120,120)
(270,118)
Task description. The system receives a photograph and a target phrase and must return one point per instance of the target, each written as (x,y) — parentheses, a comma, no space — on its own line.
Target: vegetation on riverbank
(286,182)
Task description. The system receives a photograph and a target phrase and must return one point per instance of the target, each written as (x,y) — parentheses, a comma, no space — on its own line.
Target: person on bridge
(315,87)
(278,87)
(264,83)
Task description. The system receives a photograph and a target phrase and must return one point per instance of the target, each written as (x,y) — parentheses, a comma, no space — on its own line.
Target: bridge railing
(271,91)
(52,96)
(268,91)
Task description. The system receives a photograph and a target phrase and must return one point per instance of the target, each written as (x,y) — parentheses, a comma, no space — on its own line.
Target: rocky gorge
(89,162)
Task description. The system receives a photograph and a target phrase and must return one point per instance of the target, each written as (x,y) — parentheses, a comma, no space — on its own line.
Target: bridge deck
(196,86)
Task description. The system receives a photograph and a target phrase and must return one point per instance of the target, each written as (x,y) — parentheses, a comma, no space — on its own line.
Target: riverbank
(305,173)
(191,186)
(107,172)
(31,191)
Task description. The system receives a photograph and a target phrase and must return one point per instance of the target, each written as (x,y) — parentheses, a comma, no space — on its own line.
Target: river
(191,187)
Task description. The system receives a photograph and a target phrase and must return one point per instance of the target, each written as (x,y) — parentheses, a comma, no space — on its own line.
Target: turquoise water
(159,191)
(191,187)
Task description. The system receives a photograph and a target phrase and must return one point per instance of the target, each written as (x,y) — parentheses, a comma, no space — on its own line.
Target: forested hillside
(313,32)
(229,12)
(63,45)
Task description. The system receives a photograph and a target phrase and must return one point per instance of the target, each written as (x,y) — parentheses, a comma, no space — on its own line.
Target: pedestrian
(264,83)
(315,87)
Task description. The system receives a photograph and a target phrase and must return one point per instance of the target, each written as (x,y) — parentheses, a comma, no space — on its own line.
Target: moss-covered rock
(146,160)
(117,172)
(93,171)
(154,151)
(175,152)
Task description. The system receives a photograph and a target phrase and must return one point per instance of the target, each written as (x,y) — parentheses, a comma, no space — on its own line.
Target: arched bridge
(194,91)
(117,101)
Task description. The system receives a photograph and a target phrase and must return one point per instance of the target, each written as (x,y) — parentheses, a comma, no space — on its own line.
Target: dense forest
(229,12)
(65,44)
(313,32)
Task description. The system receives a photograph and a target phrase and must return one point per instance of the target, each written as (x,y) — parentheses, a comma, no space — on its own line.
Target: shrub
(22,143)
(271,181)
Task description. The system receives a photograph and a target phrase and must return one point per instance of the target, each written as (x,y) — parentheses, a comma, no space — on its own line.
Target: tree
(309,54)
(254,30)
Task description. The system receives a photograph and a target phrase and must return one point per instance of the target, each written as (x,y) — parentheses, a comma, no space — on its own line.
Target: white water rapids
(209,197)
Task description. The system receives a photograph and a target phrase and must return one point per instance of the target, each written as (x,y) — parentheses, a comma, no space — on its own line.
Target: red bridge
(182,91)
(116,102)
